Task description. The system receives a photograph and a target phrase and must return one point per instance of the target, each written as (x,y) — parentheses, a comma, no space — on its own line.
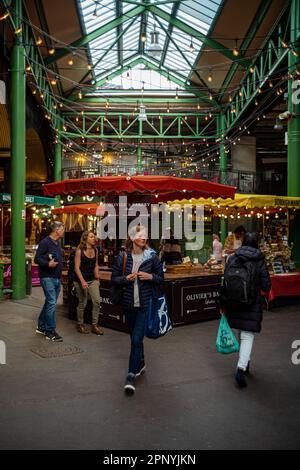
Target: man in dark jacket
(246,317)
(49,259)
(143,270)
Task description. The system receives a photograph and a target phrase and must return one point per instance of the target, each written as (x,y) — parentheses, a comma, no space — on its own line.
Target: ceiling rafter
(256,23)
(119,12)
(170,29)
(218,47)
(181,53)
(84,40)
(106,52)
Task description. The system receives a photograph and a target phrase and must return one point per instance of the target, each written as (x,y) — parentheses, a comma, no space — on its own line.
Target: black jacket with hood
(248,318)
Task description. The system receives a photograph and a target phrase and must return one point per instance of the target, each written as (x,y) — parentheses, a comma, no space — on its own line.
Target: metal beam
(181,53)
(259,17)
(152,65)
(95,34)
(119,12)
(170,29)
(118,38)
(38,71)
(218,47)
(42,18)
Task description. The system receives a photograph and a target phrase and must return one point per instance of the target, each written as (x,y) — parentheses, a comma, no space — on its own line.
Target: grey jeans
(82,294)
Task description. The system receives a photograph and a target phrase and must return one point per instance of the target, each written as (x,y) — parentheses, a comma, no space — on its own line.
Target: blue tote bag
(226,341)
(158,321)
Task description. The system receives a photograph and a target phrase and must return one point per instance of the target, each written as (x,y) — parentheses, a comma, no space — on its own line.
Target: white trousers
(246,344)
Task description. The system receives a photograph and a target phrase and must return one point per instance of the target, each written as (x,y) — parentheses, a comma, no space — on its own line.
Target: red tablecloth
(284,285)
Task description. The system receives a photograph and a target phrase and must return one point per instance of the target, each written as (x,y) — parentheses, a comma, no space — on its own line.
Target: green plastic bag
(226,341)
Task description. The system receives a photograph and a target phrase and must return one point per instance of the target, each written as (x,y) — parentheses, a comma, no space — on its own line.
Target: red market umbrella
(164,188)
(83,209)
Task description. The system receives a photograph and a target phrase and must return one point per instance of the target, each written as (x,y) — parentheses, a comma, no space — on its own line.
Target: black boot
(247,371)
(240,378)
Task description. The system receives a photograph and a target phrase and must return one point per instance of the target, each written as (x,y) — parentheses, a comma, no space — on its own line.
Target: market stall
(37,211)
(192,288)
(271,216)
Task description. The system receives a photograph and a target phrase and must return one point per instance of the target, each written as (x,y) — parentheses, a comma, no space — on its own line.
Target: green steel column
(294,131)
(18,167)
(294,107)
(58,154)
(223,169)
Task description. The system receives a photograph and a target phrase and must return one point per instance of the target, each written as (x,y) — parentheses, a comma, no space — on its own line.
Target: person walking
(143,271)
(49,259)
(245,275)
(86,281)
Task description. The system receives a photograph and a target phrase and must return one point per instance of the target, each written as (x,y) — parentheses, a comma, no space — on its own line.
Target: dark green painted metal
(18,172)
(84,40)
(259,17)
(194,32)
(294,107)
(119,12)
(182,54)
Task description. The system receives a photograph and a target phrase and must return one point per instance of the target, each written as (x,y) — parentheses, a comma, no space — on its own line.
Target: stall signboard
(199,299)
(39,200)
(195,299)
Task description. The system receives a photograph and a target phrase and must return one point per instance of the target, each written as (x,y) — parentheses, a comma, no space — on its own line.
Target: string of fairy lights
(197,153)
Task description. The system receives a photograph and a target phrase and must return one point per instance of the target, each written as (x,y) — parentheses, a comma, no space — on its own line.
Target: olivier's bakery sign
(200,301)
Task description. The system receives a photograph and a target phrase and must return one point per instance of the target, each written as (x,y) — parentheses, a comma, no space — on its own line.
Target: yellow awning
(247,201)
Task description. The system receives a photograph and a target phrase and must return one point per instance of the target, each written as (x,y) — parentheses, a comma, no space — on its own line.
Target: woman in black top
(86,280)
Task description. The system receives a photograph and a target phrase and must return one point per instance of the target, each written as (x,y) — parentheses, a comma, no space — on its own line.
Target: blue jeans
(51,287)
(135,320)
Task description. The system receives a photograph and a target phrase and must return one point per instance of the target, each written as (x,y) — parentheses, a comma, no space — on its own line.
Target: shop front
(192,288)
(37,212)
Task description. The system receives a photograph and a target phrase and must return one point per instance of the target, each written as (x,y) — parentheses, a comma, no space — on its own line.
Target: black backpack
(240,281)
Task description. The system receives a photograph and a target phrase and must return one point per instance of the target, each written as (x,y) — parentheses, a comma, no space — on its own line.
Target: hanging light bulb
(191,46)
(235,50)
(39,41)
(176,96)
(210,77)
(6,15)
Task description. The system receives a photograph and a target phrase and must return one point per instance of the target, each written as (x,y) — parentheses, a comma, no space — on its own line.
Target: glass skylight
(140,76)
(122,44)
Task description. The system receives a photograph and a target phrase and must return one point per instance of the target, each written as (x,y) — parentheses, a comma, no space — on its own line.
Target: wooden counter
(192,297)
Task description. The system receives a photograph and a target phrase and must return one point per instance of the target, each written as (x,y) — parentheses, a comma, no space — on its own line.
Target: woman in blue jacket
(143,271)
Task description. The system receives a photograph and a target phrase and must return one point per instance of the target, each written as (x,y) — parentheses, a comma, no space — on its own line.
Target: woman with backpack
(245,275)
(86,281)
(138,274)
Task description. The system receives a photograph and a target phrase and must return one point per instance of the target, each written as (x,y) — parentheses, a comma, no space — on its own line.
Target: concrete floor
(186,399)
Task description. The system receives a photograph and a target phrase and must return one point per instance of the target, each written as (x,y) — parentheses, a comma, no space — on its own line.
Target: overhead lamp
(235,50)
(39,41)
(210,78)
(142,113)
(154,49)
(191,46)
(6,15)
